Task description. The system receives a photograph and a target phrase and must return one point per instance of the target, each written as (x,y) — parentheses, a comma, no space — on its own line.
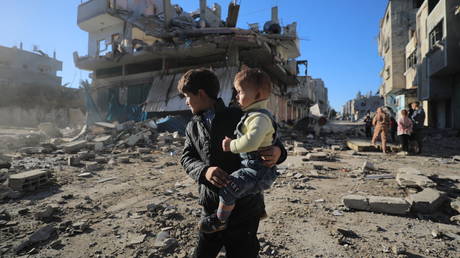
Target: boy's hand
(270,155)
(217,177)
(226,143)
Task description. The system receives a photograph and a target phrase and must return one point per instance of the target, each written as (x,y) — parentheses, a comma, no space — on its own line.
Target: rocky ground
(136,201)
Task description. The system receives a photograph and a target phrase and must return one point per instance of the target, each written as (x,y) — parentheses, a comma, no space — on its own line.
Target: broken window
(103,48)
(412,60)
(436,35)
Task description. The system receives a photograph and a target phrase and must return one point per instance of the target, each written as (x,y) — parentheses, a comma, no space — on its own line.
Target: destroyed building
(361,105)
(32,91)
(137,52)
(419,42)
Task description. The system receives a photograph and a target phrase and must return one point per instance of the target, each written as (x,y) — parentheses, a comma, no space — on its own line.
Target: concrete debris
(390,205)
(134,239)
(164,242)
(427,201)
(74,147)
(45,214)
(356,202)
(367,166)
(381,204)
(30,180)
(40,235)
(73,161)
(409,177)
(456,158)
(92,166)
(300,151)
(455,204)
(320,156)
(5,161)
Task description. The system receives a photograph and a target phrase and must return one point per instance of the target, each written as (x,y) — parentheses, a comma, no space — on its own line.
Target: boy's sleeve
(192,163)
(258,127)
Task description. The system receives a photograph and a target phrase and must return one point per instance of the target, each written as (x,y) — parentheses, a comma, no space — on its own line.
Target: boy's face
(245,96)
(196,102)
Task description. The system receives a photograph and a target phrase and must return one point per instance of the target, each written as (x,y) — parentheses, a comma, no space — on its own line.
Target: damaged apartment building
(32,91)
(361,105)
(420,43)
(138,50)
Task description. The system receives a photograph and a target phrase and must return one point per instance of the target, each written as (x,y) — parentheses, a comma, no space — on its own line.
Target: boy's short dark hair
(254,78)
(199,79)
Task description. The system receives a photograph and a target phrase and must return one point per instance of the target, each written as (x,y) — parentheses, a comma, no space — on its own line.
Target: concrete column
(275,14)
(203,6)
(167,11)
(233,56)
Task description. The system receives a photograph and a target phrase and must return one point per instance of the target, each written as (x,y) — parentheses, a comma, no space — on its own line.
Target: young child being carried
(256,129)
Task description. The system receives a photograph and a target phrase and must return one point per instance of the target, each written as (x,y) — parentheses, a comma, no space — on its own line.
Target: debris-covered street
(124,194)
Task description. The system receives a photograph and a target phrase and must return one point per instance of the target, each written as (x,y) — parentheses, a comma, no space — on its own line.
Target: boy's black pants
(240,241)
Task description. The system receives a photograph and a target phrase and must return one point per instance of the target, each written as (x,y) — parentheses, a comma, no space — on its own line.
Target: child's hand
(226,143)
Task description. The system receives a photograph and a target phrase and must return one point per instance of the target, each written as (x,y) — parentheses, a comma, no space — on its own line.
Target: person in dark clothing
(368,121)
(393,129)
(418,120)
(207,164)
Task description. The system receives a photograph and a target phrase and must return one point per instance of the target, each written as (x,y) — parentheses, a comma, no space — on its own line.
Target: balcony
(93,15)
(442,27)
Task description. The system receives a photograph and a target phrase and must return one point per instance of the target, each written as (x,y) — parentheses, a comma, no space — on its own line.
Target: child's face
(245,96)
(195,102)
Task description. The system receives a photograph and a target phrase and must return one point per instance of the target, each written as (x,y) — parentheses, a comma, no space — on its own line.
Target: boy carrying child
(206,162)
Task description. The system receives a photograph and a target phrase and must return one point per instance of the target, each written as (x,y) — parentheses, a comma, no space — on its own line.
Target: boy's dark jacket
(203,149)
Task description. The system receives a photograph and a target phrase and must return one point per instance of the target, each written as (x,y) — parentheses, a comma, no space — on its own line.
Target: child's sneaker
(211,224)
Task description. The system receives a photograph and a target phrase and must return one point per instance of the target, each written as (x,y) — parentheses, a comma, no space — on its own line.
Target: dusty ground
(121,210)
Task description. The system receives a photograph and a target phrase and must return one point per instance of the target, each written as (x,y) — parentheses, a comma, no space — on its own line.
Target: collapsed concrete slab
(410,177)
(427,201)
(361,145)
(390,205)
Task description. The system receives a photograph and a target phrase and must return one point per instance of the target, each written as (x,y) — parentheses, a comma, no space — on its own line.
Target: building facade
(20,67)
(427,31)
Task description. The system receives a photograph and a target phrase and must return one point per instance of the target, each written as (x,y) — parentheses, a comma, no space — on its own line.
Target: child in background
(256,129)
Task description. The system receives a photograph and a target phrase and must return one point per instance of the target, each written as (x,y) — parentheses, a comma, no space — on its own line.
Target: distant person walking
(404,130)
(381,123)
(418,119)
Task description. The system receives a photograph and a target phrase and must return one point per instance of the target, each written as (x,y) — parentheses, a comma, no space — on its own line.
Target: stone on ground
(427,201)
(389,205)
(356,202)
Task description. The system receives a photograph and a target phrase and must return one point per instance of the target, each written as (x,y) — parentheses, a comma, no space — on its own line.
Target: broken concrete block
(73,161)
(106,125)
(455,204)
(426,201)
(414,180)
(356,202)
(389,205)
(124,160)
(300,151)
(101,160)
(92,166)
(30,180)
(134,139)
(40,235)
(98,147)
(144,150)
(105,139)
(456,158)
(74,147)
(31,150)
(317,156)
(85,155)
(5,161)
(367,166)
(45,214)
(336,147)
